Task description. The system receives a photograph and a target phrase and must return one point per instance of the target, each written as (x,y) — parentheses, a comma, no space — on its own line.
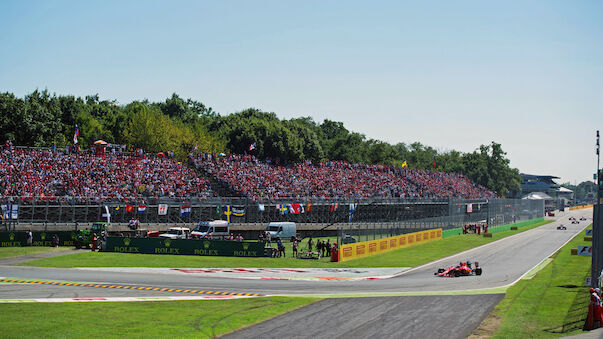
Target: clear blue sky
(450,74)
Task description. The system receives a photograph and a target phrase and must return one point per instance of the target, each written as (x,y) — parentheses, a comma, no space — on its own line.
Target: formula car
(561,227)
(463,269)
(583,218)
(575,221)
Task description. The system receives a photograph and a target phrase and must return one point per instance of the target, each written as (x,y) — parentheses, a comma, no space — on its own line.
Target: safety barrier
(19,239)
(580,207)
(184,246)
(366,248)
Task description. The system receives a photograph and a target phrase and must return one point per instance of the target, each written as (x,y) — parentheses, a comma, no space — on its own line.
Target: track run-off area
(408,298)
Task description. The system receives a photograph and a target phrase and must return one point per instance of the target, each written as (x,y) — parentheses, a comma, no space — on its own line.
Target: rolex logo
(245,246)
(43,236)
(127,241)
(206,244)
(167,242)
(11,236)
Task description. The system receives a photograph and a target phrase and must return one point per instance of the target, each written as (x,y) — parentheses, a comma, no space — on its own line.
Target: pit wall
(493,229)
(580,207)
(366,248)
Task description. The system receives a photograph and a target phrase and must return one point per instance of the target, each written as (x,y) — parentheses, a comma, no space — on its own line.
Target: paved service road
(385,317)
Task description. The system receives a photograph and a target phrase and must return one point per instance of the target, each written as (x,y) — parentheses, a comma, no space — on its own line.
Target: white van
(282,229)
(216,229)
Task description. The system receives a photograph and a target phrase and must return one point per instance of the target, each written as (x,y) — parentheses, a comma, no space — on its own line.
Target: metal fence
(402,213)
(493,212)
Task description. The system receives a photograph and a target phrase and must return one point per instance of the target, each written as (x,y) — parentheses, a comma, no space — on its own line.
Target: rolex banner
(185,246)
(19,238)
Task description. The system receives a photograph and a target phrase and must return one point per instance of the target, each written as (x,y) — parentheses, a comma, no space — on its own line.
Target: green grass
(10,252)
(404,257)
(552,304)
(175,319)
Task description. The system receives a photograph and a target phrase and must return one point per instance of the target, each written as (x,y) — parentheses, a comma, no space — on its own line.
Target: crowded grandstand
(50,174)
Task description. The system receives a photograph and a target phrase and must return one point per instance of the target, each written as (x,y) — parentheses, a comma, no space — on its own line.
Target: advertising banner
(365,248)
(184,246)
(18,239)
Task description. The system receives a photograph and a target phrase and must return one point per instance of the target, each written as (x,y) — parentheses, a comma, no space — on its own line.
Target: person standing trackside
(29,238)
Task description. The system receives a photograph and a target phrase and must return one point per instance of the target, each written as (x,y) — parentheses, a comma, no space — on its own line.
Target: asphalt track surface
(504,262)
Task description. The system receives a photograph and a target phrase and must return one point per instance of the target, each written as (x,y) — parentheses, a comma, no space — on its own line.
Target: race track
(504,262)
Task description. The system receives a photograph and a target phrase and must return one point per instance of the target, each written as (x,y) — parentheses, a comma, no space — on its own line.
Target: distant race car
(583,218)
(575,221)
(561,227)
(551,214)
(572,218)
(463,269)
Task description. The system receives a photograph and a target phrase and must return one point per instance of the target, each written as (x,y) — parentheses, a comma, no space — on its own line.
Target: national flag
(295,209)
(6,211)
(185,210)
(352,210)
(283,209)
(334,207)
(309,207)
(404,165)
(129,208)
(261,207)
(162,209)
(76,134)
(434,161)
(142,208)
(227,212)
(238,211)
(15,212)
(252,147)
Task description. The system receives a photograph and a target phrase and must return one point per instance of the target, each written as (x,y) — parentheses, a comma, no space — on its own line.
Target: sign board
(586,251)
(589,232)
(185,246)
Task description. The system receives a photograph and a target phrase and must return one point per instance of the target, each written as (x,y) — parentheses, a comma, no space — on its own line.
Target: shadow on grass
(575,319)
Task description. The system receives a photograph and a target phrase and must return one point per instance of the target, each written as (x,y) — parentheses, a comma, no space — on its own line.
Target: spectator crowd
(39,174)
(335,179)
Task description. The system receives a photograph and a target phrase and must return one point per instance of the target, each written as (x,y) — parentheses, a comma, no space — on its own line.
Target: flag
(352,210)
(295,209)
(252,147)
(185,210)
(404,165)
(6,211)
(76,134)
(142,208)
(238,211)
(195,149)
(129,208)
(15,212)
(333,207)
(227,212)
(434,161)
(261,207)
(107,214)
(283,209)
(162,209)
(309,207)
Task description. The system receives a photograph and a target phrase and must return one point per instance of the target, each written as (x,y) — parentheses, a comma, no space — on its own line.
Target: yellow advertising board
(580,207)
(372,247)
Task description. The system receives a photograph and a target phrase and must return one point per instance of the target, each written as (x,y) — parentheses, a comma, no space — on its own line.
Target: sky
(448,74)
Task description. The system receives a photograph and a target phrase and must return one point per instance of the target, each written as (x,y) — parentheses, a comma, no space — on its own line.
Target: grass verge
(552,304)
(11,252)
(404,257)
(175,319)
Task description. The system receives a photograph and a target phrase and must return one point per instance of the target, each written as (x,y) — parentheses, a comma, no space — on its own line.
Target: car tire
(457,273)
(478,271)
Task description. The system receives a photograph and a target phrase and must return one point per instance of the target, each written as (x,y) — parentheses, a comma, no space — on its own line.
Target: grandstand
(43,174)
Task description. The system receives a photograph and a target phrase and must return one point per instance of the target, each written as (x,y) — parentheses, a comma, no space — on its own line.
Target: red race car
(463,269)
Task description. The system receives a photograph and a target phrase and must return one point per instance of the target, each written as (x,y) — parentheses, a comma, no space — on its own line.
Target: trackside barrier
(580,207)
(366,248)
(184,246)
(19,239)
(493,229)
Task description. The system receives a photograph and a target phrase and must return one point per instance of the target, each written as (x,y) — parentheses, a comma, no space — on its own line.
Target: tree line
(44,119)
